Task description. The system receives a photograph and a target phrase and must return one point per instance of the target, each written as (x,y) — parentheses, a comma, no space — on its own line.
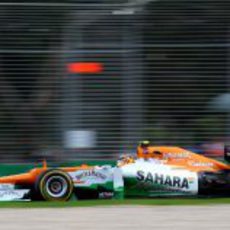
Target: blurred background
(90,79)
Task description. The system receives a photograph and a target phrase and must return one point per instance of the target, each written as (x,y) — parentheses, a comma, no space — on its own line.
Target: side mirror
(157,152)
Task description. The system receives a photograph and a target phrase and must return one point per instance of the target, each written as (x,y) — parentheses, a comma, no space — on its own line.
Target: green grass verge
(90,203)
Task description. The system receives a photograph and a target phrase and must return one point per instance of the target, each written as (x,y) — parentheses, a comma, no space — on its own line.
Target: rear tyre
(54,185)
(227,153)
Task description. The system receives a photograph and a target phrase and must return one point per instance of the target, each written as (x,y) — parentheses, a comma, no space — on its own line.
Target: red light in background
(85,67)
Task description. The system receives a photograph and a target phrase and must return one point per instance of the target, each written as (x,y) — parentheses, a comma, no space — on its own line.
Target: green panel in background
(9,169)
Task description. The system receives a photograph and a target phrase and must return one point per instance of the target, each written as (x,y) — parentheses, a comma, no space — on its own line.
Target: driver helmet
(145,144)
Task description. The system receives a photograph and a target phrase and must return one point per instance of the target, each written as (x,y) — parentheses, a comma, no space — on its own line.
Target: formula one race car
(62,184)
(169,171)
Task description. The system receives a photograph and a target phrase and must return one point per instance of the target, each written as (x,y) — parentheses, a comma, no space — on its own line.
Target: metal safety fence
(89,79)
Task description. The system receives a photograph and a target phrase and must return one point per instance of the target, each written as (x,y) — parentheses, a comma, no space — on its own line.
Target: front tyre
(54,185)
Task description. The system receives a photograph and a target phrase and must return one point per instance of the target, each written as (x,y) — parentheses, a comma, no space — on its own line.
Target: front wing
(9,192)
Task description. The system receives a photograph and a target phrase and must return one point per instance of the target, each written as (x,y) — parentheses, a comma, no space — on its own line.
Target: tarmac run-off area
(210,217)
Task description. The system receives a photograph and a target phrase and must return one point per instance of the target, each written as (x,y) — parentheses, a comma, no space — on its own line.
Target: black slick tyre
(54,185)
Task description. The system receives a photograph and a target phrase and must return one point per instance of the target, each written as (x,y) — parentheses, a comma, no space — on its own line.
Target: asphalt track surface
(215,217)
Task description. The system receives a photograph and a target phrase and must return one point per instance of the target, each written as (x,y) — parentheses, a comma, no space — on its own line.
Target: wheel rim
(56,186)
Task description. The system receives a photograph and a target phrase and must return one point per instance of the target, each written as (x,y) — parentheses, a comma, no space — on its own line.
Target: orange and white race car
(62,184)
(156,171)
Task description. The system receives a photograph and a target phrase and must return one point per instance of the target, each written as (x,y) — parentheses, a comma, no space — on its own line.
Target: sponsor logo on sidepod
(161,179)
(91,173)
